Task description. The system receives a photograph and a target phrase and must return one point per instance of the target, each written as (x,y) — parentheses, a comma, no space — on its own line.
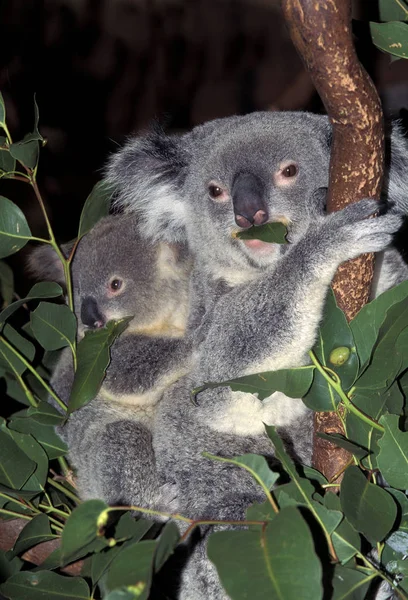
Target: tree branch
(321,32)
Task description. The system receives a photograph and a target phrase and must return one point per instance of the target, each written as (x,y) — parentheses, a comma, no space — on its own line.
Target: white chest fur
(245,414)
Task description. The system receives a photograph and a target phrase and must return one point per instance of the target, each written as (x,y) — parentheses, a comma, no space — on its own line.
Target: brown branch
(321,32)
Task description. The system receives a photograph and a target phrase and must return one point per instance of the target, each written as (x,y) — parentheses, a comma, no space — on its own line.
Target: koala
(117,274)
(254,306)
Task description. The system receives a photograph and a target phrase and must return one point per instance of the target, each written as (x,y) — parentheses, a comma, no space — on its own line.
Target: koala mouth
(259,246)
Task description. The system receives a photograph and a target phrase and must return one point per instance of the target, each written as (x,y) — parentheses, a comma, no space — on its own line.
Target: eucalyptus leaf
(342,442)
(36,452)
(96,206)
(6,282)
(128,527)
(8,565)
(44,585)
(393,10)
(129,593)
(391,37)
(10,360)
(37,292)
(44,434)
(349,584)
(54,325)
(83,527)
(15,466)
(291,382)
(168,540)
(7,162)
(275,562)
(254,464)
(14,229)
(27,152)
(346,540)
(369,508)
(273,233)
(36,531)
(45,414)
(392,459)
(93,359)
(366,324)
(133,566)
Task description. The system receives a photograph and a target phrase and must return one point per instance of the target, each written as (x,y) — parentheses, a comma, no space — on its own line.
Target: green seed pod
(339,356)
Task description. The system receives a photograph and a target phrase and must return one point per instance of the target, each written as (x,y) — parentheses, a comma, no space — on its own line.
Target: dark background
(102,69)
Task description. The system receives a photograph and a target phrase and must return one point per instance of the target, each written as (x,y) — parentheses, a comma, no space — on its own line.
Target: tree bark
(321,32)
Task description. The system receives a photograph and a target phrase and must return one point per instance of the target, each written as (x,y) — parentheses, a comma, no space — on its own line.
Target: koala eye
(215,191)
(289,171)
(116,284)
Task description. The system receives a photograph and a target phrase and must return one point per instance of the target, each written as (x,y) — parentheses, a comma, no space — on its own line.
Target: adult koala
(255,306)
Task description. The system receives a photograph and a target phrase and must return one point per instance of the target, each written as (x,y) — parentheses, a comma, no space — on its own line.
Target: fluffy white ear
(147,175)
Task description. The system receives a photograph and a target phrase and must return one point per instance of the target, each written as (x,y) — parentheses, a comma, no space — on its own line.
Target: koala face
(116,274)
(223,177)
(255,170)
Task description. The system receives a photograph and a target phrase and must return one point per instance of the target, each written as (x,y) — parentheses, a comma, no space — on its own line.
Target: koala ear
(148,174)
(44,264)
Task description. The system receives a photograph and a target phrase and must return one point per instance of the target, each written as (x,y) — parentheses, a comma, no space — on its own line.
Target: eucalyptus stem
(27,364)
(64,490)
(335,384)
(52,509)
(12,513)
(378,573)
(7,132)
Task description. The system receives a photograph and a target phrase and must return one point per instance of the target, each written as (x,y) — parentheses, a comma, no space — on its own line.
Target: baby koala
(116,274)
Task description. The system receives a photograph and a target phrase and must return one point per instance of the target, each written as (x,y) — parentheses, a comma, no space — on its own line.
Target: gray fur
(251,310)
(110,440)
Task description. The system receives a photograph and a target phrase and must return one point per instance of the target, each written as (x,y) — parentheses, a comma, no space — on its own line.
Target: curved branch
(321,32)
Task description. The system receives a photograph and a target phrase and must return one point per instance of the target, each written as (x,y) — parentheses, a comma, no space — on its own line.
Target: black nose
(90,315)
(248,196)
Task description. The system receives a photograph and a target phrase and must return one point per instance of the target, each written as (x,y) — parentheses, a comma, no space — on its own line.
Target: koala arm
(271,323)
(62,378)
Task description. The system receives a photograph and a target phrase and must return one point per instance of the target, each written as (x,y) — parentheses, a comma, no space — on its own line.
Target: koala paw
(356,233)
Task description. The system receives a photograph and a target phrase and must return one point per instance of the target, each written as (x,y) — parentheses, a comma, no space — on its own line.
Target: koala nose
(90,314)
(248,191)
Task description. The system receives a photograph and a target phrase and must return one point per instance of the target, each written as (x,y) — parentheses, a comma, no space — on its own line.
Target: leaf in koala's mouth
(272,233)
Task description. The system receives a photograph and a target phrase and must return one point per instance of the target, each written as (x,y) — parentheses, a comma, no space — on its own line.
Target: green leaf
(349,584)
(133,566)
(44,585)
(54,325)
(27,151)
(15,466)
(35,451)
(392,459)
(37,292)
(334,333)
(391,37)
(254,464)
(373,403)
(129,593)
(129,527)
(8,565)
(96,206)
(10,361)
(93,359)
(14,229)
(44,434)
(393,10)
(346,540)
(6,282)
(366,324)
(291,382)
(369,508)
(82,527)
(45,414)
(168,540)
(273,233)
(7,162)
(342,442)
(2,110)
(36,531)
(275,562)
(388,356)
